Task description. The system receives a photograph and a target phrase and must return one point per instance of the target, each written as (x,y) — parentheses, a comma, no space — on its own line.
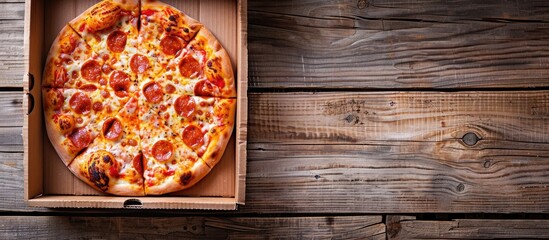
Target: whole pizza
(139,99)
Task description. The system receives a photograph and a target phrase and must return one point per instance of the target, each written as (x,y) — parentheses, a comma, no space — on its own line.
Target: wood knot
(470,139)
(460,187)
(361,4)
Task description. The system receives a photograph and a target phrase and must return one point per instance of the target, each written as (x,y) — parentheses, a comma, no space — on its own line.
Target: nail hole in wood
(470,139)
(317,176)
(362,4)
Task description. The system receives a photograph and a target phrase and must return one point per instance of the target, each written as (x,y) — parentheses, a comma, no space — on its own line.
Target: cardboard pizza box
(49,183)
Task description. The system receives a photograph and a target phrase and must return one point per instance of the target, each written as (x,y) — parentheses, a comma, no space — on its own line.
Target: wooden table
(367,119)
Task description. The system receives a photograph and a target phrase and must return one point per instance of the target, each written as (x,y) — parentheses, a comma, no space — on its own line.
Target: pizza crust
(116,189)
(219,140)
(58,140)
(227,73)
(116,186)
(49,70)
(225,61)
(193,25)
(172,184)
(102,15)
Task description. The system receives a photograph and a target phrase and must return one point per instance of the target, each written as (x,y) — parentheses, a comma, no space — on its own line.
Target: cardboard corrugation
(48,182)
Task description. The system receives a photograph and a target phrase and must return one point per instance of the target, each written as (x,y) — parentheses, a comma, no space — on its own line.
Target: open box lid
(43,192)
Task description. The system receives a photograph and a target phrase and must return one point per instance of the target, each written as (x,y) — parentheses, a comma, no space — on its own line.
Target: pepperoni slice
(148,12)
(184,106)
(117,41)
(204,88)
(163,150)
(105,94)
(137,163)
(193,137)
(80,103)
(170,89)
(80,138)
(88,88)
(139,63)
(120,82)
(97,106)
(112,128)
(189,66)
(153,92)
(91,71)
(217,80)
(106,68)
(60,77)
(171,45)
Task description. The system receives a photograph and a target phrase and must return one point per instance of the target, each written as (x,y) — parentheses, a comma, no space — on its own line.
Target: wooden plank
(364,227)
(402,227)
(398,152)
(11,52)
(11,152)
(359,118)
(12,10)
(398,44)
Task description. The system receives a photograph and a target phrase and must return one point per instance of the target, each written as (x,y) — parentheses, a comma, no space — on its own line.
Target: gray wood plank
(398,44)
(398,152)
(11,152)
(354,227)
(12,10)
(404,227)
(11,52)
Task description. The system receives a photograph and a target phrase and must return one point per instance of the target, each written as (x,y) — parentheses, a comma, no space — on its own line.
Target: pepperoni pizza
(139,98)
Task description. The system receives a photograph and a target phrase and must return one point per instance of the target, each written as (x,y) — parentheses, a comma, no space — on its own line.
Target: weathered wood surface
(353,227)
(373,152)
(396,44)
(345,152)
(406,227)
(398,152)
(11,152)
(11,43)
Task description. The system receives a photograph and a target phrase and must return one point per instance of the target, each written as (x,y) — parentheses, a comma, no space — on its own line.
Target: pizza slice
(112,163)
(110,28)
(74,117)
(203,68)
(164,32)
(71,63)
(169,165)
(204,123)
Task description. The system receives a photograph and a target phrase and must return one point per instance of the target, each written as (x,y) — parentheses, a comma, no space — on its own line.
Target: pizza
(138,98)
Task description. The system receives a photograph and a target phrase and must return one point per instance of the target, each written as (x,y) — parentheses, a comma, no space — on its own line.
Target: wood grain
(11,45)
(359,118)
(11,152)
(398,152)
(405,227)
(354,227)
(396,44)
